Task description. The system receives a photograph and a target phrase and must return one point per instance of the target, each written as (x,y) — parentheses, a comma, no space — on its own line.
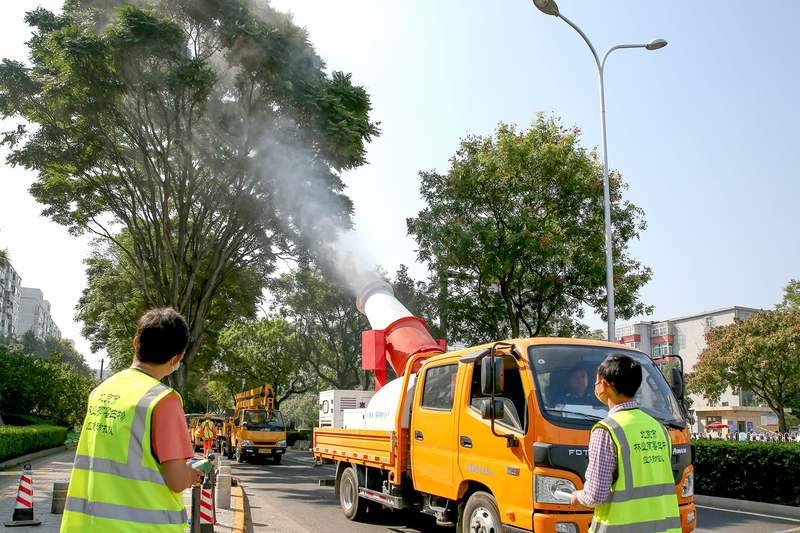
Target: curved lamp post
(549,7)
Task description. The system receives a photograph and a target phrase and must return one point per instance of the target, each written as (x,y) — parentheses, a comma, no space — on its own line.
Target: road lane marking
(788,530)
(749,513)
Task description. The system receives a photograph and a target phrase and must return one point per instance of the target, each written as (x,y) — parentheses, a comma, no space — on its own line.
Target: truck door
(433,430)
(485,457)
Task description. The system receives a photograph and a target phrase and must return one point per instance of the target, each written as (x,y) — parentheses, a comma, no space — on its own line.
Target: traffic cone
(23,510)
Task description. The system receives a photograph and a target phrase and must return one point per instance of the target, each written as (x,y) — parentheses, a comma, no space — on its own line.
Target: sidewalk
(48,470)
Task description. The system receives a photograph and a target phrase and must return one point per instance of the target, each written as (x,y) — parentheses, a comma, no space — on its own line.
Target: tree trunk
(781,419)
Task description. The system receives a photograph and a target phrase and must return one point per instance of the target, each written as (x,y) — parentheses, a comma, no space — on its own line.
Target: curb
(22,459)
(237,502)
(785,511)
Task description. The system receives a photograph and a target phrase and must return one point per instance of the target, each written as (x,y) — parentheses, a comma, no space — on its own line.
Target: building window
(660,350)
(634,345)
(661,329)
(709,322)
(626,331)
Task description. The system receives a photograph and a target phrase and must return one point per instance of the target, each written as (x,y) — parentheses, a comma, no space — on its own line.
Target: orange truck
(487,438)
(256,430)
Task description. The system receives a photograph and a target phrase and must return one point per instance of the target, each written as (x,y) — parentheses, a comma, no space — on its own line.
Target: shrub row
(295,435)
(19,440)
(757,471)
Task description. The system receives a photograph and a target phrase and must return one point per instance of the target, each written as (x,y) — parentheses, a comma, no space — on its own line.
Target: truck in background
(486,438)
(256,430)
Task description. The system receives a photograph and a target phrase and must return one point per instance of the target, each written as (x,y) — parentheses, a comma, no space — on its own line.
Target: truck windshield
(263,421)
(565,377)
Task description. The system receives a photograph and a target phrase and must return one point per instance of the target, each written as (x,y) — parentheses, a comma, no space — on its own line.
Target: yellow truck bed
(360,446)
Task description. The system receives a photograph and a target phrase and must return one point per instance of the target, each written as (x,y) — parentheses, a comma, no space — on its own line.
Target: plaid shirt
(602,464)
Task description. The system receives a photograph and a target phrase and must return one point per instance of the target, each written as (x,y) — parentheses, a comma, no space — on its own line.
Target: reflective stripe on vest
(643,497)
(124,512)
(673,522)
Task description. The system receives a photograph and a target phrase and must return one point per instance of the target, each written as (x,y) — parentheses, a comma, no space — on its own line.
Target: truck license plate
(264,450)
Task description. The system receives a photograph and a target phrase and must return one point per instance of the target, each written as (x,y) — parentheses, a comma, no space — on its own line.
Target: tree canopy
(514,233)
(760,354)
(187,134)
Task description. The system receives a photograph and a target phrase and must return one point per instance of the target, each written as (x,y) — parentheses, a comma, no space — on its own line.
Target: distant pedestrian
(641,496)
(131,462)
(208,433)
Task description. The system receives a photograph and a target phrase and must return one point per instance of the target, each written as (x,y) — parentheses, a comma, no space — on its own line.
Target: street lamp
(549,7)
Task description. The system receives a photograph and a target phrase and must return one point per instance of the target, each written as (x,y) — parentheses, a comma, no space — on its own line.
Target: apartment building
(10,294)
(685,336)
(35,315)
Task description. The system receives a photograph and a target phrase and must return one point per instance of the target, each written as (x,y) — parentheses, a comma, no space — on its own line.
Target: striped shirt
(602,464)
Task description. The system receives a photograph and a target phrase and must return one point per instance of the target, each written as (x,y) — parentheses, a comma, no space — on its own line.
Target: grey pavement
(47,470)
(287,498)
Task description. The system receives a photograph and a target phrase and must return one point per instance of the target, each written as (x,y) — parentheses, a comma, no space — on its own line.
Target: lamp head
(655,44)
(548,7)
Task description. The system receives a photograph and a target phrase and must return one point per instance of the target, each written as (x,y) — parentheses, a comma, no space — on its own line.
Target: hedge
(293,436)
(19,440)
(757,471)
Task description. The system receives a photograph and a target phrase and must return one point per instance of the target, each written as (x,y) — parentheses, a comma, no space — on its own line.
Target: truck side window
(440,383)
(516,406)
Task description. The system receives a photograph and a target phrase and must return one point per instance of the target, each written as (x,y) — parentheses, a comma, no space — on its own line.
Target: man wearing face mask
(131,462)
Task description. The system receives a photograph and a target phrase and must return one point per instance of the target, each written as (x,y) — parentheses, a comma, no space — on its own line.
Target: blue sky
(703,130)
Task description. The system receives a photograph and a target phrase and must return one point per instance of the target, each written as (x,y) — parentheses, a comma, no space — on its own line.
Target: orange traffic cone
(23,510)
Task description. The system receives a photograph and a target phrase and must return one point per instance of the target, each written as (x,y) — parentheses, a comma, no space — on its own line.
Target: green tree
(517,226)
(199,128)
(327,324)
(791,296)
(52,349)
(301,411)
(262,351)
(111,303)
(760,354)
(45,388)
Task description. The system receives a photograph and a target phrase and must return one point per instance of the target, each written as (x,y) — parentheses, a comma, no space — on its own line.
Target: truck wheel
(353,507)
(480,515)
(276,459)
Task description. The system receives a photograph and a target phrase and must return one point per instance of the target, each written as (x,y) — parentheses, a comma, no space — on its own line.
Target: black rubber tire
(353,507)
(485,504)
(276,459)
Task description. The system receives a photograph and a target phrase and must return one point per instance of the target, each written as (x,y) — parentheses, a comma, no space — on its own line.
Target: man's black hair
(621,372)
(163,334)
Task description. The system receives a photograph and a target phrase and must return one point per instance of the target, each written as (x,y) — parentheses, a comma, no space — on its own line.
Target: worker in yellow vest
(635,446)
(208,433)
(131,463)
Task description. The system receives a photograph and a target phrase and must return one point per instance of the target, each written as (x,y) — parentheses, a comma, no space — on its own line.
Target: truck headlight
(688,486)
(281,444)
(246,443)
(546,486)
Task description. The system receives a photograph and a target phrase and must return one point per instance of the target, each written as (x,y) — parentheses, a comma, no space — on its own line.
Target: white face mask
(176,366)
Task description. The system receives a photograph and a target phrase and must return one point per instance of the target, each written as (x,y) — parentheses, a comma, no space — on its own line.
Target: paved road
(288,499)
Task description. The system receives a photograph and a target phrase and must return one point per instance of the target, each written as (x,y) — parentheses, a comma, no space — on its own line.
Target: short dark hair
(622,372)
(163,334)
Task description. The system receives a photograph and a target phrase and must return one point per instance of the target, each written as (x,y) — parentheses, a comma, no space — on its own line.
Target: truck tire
(276,459)
(353,507)
(480,515)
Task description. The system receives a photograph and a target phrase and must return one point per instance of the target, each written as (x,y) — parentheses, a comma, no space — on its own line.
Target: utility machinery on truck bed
(486,438)
(256,430)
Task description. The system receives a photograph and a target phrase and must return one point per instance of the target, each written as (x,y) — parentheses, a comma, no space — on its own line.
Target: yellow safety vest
(207,431)
(643,497)
(116,484)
